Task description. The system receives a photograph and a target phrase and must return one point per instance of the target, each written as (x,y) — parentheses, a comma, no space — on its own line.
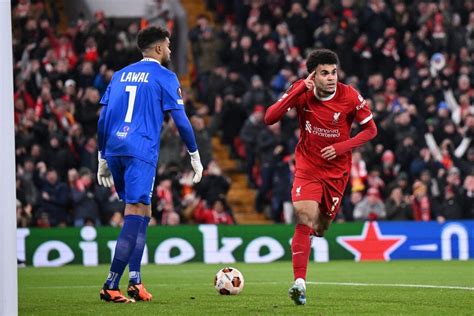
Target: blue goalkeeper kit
(128,133)
(130,124)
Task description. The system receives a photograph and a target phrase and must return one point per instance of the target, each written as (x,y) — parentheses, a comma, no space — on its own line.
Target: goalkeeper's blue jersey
(134,105)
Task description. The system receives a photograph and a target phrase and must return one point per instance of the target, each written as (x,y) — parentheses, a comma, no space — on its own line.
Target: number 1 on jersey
(132,90)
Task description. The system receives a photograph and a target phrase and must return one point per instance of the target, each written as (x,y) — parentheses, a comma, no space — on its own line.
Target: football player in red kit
(326,110)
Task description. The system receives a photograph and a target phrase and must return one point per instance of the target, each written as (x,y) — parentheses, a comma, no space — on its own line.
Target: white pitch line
(421,286)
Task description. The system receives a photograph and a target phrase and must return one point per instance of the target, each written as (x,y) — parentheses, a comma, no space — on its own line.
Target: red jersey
(324,122)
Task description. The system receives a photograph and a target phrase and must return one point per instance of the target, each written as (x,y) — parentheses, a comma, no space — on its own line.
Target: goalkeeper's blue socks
(134,264)
(123,249)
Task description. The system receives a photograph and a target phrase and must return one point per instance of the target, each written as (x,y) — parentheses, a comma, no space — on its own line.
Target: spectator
(217,85)
(406,153)
(282,80)
(349,204)
(248,135)
(203,139)
(375,19)
(299,25)
(398,206)
(272,149)
(85,205)
(166,212)
(170,147)
(274,60)
(421,204)
(468,197)
(375,181)
(370,207)
(88,154)
(195,34)
(207,49)
(117,220)
(58,156)
(110,206)
(231,118)
(53,204)
(258,94)
(118,57)
(245,57)
(281,205)
(358,172)
(216,214)
(235,83)
(214,185)
(27,191)
(433,188)
(401,181)
(23,214)
(159,13)
(88,111)
(466,165)
(451,209)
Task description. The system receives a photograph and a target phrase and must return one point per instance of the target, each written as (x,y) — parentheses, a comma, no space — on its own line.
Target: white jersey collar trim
(151,59)
(329,97)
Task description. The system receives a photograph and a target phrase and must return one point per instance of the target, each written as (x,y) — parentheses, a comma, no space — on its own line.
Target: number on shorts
(335,200)
(131,102)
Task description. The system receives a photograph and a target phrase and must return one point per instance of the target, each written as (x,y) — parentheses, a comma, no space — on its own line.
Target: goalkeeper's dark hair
(321,57)
(150,35)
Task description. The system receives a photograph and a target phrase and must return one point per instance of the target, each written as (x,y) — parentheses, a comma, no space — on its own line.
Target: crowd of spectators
(412,61)
(60,76)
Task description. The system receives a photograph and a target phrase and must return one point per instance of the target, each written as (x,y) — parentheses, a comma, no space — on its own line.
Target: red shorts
(328,193)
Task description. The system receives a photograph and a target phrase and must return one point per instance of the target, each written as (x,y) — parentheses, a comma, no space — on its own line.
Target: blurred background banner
(252,243)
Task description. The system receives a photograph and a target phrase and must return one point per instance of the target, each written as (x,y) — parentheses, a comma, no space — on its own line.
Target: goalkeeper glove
(104,177)
(197,166)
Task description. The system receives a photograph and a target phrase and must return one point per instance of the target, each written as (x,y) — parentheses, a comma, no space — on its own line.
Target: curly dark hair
(150,35)
(321,57)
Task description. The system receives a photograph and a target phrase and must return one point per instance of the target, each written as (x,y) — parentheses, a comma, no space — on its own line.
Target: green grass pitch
(337,287)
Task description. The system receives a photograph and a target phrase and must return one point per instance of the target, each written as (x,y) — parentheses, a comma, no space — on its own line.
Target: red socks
(301,248)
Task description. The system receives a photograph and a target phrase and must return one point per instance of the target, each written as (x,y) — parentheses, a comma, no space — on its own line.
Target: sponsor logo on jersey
(360,106)
(122,134)
(308,127)
(323,132)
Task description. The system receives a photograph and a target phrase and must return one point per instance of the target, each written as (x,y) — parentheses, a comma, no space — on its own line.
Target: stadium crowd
(411,60)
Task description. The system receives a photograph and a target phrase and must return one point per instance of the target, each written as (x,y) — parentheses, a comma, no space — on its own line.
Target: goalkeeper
(128,138)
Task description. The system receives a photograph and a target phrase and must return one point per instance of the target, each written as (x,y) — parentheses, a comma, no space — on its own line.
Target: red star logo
(371,245)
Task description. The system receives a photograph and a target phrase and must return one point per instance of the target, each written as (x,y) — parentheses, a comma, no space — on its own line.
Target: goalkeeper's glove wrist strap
(193,154)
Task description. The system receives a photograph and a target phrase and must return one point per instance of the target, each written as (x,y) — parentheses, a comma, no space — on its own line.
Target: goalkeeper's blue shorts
(133,178)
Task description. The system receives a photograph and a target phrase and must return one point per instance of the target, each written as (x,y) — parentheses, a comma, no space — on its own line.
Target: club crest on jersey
(298,191)
(335,118)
